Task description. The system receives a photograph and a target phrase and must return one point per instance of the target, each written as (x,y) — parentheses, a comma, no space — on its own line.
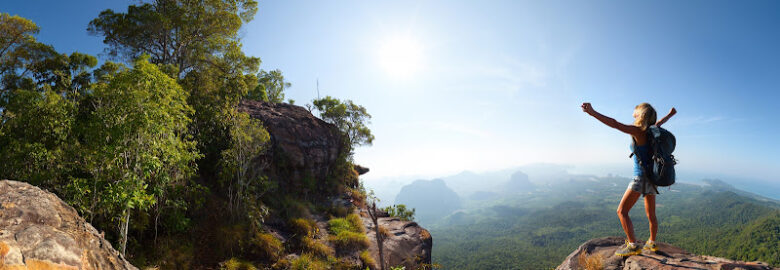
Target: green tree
(198,42)
(137,141)
(177,32)
(270,87)
(35,130)
(349,118)
(400,211)
(241,172)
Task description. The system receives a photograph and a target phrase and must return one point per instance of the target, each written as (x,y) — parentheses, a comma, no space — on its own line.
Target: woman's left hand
(587,108)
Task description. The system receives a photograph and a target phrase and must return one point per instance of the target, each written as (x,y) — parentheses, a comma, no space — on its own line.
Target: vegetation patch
(367,260)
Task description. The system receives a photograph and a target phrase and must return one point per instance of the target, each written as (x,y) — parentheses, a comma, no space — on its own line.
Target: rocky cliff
(406,244)
(302,145)
(40,231)
(599,254)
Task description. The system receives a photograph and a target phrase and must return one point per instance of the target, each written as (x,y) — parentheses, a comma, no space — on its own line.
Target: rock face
(407,244)
(302,144)
(40,231)
(599,254)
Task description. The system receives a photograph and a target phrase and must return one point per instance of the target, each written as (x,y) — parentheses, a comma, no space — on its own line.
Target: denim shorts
(642,185)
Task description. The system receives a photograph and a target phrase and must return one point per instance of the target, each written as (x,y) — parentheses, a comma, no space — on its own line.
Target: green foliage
(308,262)
(351,223)
(236,264)
(35,137)
(367,260)
(720,224)
(400,211)
(136,141)
(241,176)
(348,233)
(270,87)
(349,118)
(182,33)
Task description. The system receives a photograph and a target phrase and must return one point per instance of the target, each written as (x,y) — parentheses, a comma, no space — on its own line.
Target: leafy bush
(400,211)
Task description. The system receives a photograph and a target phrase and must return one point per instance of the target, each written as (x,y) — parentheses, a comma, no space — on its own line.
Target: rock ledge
(599,253)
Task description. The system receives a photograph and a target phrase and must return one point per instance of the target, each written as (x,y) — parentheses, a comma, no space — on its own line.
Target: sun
(400,56)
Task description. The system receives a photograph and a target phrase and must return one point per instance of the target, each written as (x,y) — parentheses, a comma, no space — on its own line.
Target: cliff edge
(600,254)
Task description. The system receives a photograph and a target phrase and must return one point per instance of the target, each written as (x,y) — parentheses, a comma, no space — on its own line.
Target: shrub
(367,260)
(338,225)
(303,227)
(350,240)
(236,264)
(400,211)
(318,249)
(384,232)
(307,262)
(266,246)
(593,262)
(356,222)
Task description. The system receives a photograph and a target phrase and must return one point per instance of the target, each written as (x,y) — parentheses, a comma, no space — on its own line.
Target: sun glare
(400,57)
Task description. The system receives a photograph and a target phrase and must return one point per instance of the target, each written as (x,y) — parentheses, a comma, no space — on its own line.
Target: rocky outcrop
(302,145)
(40,231)
(599,254)
(406,244)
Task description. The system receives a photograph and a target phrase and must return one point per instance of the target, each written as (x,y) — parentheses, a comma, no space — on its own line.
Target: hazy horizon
(463,85)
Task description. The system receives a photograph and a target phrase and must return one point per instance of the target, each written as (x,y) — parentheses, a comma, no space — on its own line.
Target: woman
(644,117)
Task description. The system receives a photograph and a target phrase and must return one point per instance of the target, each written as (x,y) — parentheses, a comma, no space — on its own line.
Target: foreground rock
(407,244)
(40,231)
(599,254)
(302,145)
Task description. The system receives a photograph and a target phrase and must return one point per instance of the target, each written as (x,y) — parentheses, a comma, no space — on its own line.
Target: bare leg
(628,201)
(650,209)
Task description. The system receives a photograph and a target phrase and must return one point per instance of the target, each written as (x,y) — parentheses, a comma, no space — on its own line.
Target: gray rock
(40,231)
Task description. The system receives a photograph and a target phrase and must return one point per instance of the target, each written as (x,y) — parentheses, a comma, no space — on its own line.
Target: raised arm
(672,112)
(629,129)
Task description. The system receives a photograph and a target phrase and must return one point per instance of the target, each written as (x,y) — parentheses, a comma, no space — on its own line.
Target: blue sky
(484,85)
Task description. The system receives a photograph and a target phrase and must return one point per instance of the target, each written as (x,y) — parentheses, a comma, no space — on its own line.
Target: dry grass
(592,262)
(384,232)
(267,246)
(367,260)
(318,249)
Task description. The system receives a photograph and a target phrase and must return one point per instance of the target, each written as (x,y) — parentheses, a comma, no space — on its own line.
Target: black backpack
(662,144)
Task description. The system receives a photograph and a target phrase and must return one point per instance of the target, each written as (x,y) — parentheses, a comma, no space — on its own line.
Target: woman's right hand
(672,111)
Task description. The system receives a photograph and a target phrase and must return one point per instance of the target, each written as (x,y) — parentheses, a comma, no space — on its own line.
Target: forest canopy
(141,144)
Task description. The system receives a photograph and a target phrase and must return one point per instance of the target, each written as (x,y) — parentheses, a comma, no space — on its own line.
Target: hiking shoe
(628,249)
(650,246)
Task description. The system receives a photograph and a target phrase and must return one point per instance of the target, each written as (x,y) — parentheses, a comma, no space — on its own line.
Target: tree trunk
(379,237)
(123,231)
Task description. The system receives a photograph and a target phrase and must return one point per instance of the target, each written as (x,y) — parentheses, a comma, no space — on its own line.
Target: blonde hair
(645,116)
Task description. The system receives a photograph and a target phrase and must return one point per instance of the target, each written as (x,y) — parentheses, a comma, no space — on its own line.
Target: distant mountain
(432,200)
(536,230)
(518,183)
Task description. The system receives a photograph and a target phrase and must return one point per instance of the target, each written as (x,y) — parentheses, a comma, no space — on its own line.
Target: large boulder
(302,145)
(40,231)
(407,244)
(600,254)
